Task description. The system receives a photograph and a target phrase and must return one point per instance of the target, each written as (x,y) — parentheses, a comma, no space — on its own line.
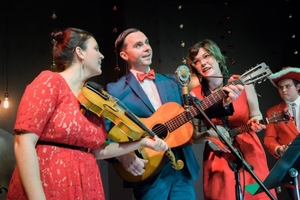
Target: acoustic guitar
(172,123)
(283,116)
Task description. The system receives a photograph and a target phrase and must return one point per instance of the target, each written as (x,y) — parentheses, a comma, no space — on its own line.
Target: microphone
(184,78)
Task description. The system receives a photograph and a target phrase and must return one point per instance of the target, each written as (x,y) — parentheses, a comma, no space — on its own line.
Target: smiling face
(205,58)
(137,51)
(206,64)
(92,57)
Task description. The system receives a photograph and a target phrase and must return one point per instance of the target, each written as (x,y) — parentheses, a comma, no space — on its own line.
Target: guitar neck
(217,96)
(207,102)
(245,128)
(181,119)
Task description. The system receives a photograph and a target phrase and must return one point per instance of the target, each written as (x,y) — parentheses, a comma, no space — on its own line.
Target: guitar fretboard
(246,128)
(181,119)
(207,102)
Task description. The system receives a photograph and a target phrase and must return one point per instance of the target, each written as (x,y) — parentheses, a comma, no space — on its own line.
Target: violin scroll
(177,165)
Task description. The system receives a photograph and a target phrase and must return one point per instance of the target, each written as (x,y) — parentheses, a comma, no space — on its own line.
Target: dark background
(248,32)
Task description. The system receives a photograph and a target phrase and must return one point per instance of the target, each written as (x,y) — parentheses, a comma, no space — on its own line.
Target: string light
(7,62)
(182,43)
(6,102)
(229,32)
(53,41)
(290,38)
(115,31)
(53,16)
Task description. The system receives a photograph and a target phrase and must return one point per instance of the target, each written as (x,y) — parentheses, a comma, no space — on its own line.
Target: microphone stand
(238,189)
(294,174)
(235,152)
(184,78)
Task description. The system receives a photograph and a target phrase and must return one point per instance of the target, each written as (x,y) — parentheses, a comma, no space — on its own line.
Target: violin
(127,125)
(93,98)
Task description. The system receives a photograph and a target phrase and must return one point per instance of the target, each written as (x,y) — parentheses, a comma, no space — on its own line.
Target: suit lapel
(161,88)
(139,92)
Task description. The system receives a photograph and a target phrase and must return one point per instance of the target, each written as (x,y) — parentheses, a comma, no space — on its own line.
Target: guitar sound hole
(160,130)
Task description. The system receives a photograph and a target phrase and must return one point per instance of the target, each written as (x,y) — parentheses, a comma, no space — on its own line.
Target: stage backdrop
(248,33)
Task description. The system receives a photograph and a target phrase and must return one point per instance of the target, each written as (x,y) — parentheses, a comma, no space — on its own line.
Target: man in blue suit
(142,91)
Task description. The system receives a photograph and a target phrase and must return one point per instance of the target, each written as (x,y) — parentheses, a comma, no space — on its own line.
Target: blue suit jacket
(129,91)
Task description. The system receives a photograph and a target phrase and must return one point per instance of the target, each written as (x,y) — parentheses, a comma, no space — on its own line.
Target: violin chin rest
(94,85)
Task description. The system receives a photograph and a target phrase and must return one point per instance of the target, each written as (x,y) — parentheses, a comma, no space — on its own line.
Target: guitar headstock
(283,116)
(255,75)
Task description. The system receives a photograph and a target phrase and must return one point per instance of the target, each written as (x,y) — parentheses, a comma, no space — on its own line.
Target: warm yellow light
(6,102)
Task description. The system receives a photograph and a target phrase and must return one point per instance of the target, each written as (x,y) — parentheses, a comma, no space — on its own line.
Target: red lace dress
(49,109)
(218,179)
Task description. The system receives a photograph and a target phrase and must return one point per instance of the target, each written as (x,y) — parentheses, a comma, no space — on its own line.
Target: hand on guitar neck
(253,125)
(233,91)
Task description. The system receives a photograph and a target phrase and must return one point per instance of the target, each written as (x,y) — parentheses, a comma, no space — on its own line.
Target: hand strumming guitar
(136,165)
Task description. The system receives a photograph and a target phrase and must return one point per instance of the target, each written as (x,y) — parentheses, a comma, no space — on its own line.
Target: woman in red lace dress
(219,182)
(56,146)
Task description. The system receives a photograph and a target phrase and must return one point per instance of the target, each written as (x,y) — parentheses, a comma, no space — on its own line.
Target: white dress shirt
(150,89)
(297,107)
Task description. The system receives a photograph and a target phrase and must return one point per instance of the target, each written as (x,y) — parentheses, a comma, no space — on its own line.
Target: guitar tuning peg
(259,82)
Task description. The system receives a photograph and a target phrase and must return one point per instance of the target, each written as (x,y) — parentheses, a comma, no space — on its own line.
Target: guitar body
(157,123)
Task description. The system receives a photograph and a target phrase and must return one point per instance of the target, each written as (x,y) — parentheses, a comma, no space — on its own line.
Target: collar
(297,102)
(134,72)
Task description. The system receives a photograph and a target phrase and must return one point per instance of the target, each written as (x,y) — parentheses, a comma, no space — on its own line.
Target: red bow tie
(150,75)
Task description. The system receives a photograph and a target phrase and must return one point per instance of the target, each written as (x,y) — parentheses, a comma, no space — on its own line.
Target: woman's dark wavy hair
(65,43)
(213,49)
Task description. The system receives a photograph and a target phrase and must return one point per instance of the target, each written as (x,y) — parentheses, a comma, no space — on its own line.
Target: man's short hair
(119,43)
